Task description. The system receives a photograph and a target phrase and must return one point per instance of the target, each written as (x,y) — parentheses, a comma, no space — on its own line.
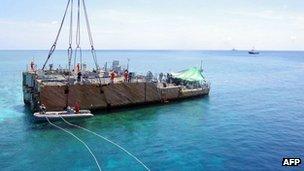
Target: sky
(159,24)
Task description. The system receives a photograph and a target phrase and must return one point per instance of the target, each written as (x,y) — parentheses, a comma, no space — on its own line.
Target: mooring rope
(100,136)
(88,148)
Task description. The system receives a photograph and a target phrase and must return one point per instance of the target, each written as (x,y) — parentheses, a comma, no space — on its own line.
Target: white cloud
(54,22)
(131,29)
(26,34)
(265,14)
(293,39)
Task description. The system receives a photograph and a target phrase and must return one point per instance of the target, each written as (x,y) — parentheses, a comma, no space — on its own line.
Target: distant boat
(253,52)
(234,49)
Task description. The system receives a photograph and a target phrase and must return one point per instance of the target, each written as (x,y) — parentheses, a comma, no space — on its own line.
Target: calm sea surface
(253,117)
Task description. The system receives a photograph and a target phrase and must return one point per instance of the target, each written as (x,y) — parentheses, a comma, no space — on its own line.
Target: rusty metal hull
(94,96)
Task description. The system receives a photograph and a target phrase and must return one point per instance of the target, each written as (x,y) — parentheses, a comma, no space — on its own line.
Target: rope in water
(117,145)
(88,148)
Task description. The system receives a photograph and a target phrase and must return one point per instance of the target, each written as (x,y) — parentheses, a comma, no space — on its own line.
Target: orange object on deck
(112,76)
(126,75)
(77,107)
(78,67)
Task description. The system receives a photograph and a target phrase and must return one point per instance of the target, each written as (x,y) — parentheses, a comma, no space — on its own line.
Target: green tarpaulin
(191,74)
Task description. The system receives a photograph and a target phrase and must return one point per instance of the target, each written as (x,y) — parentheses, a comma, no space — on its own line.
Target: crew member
(77,107)
(78,67)
(79,75)
(130,77)
(32,66)
(126,75)
(161,75)
(51,67)
(43,109)
(69,110)
(112,77)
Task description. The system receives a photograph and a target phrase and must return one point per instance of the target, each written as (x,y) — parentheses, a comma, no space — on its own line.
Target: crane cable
(78,48)
(70,54)
(90,35)
(70,50)
(78,38)
(93,51)
(86,146)
(100,136)
(53,47)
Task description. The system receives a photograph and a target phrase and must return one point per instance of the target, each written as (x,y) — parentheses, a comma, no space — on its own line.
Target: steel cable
(53,47)
(100,136)
(86,146)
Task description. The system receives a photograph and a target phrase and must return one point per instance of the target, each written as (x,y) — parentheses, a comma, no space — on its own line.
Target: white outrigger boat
(57,115)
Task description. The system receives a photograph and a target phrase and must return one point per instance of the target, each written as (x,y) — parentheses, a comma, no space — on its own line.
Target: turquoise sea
(253,117)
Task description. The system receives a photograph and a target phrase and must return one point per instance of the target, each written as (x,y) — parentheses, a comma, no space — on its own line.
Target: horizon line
(296,50)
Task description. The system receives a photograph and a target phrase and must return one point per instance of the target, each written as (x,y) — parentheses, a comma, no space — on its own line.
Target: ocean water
(253,117)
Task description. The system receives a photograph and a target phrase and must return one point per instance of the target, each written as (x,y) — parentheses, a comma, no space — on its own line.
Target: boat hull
(57,115)
(253,53)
